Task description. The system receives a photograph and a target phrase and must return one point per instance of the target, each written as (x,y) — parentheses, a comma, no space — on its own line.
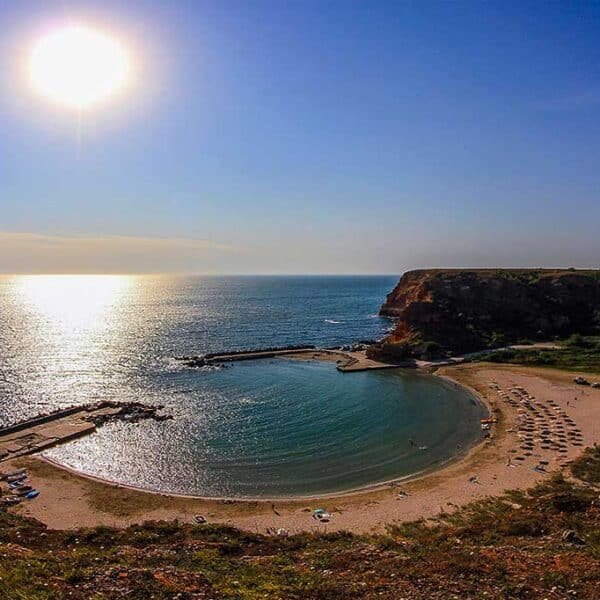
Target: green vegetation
(578,353)
(587,468)
(541,543)
(470,310)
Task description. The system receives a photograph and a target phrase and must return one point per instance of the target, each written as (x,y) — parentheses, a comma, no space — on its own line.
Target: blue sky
(310,137)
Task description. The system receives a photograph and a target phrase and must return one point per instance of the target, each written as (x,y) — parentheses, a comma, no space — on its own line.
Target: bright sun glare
(78,67)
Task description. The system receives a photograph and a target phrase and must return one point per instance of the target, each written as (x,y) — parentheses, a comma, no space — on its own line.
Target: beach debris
(281,532)
(401,495)
(199,519)
(473,479)
(581,381)
(596,384)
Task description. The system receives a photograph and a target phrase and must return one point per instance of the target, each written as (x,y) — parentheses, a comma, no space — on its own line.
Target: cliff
(456,311)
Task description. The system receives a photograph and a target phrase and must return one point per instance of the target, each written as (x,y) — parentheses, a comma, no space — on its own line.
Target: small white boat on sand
(320,514)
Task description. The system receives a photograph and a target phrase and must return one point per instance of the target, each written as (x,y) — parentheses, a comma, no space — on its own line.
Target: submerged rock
(194,361)
(132,412)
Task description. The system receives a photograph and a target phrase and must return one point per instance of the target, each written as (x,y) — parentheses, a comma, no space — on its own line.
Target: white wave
(332,321)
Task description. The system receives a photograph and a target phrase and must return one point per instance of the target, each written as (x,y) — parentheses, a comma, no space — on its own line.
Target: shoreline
(372,487)
(317,356)
(83,500)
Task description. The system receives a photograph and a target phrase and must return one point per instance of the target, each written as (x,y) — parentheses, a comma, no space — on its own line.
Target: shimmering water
(272,428)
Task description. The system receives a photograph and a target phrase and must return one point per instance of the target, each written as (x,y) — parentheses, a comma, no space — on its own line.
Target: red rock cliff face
(467,310)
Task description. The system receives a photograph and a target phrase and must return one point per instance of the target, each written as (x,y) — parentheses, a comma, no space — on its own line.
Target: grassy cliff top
(499,272)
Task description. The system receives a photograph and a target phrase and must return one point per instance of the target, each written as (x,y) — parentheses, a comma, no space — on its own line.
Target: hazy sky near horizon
(309,137)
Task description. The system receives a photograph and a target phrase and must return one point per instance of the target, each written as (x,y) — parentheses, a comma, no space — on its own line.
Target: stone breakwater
(203,360)
(45,431)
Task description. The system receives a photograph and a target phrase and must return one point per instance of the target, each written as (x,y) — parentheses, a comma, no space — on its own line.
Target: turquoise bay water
(282,427)
(260,428)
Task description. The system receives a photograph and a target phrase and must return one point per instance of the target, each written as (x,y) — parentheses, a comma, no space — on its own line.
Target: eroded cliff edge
(442,311)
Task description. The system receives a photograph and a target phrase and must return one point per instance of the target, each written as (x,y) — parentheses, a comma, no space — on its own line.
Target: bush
(587,467)
(430,349)
(386,351)
(578,341)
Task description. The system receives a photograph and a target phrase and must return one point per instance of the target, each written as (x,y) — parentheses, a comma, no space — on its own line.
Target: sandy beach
(543,420)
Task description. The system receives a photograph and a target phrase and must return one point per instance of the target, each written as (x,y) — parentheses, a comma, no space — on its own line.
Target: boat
(17,484)
(15,473)
(13,478)
(23,490)
(32,494)
(9,500)
(321,515)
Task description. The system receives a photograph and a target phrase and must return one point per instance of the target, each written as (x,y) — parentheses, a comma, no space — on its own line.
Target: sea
(262,428)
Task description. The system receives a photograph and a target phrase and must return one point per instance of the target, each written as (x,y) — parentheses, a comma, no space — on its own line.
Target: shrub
(430,349)
(587,467)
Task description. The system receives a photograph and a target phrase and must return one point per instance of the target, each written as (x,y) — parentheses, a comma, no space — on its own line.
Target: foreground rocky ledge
(523,545)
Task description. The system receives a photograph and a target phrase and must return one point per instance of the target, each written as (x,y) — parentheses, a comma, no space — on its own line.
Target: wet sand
(542,416)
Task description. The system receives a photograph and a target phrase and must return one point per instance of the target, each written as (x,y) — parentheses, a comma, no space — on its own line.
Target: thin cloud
(22,252)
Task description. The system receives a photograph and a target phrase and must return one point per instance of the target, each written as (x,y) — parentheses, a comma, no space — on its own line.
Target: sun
(78,67)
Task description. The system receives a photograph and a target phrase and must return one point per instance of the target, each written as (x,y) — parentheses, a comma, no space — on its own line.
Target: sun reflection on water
(247,430)
(82,302)
(61,335)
